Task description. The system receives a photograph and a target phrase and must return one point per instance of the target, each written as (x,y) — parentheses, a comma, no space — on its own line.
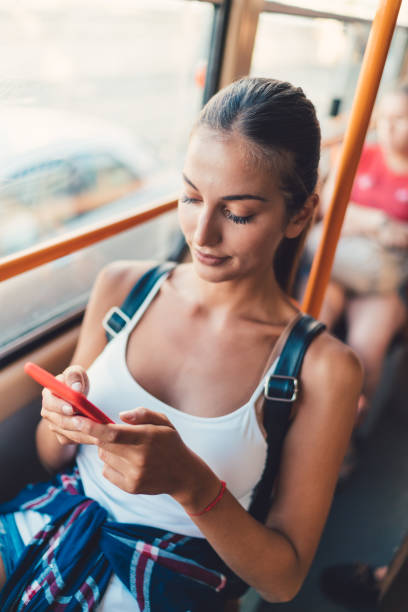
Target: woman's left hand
(147,455)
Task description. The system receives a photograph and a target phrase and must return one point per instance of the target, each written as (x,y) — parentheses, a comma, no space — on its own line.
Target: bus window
(97,101)
(322,54)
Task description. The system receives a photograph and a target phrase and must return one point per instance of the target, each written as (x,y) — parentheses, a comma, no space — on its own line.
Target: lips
(211,260)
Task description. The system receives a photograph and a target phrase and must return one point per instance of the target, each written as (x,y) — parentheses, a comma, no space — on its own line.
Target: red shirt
(377,186)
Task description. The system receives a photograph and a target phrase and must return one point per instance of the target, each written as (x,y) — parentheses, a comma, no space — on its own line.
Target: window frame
(270,6)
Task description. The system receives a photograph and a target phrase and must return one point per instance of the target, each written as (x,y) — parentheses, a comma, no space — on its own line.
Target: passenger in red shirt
(370,273)
(378,186)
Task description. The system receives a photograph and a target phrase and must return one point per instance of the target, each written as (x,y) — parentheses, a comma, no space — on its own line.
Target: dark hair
(281,124)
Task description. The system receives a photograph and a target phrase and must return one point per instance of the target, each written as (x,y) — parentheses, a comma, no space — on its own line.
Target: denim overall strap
(281,389)
(116,318)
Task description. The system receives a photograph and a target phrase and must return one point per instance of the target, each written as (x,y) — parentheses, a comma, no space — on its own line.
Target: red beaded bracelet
(213,503)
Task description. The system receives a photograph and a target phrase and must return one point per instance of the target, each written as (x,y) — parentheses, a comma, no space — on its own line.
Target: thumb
(76,377)
(144,416)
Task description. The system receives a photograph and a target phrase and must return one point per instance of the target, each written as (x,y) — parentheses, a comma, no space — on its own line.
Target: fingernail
(134,411)
(67,409)
(77,423)
(76,386)
(129,414)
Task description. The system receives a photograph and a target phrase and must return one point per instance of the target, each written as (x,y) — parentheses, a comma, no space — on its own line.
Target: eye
(186,200)
(235,218)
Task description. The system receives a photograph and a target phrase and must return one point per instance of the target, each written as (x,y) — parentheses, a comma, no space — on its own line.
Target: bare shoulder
(111,287)
(331,367)
(328,354)
(116,279)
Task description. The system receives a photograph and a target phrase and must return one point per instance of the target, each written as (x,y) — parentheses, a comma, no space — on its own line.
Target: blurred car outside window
(86,164)
(97,100)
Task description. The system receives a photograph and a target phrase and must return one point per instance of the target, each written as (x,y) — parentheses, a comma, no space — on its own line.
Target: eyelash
(228,214)
(235,218)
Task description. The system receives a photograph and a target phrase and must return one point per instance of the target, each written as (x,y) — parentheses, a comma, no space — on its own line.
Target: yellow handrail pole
(369,80)
(59,247)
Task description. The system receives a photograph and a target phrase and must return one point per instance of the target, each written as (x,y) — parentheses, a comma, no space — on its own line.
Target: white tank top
(232,445)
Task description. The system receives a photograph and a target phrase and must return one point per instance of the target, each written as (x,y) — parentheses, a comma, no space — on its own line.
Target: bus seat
(18,457)
(20,405)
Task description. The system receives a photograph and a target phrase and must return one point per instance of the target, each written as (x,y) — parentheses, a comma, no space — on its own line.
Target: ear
(299,221)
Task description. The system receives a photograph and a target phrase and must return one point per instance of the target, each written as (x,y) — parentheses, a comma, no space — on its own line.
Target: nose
(207,231)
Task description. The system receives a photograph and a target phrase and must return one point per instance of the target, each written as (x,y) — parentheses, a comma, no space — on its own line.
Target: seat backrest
(18,458)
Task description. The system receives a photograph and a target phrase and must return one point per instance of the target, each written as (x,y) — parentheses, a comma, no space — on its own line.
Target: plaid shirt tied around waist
(67,565)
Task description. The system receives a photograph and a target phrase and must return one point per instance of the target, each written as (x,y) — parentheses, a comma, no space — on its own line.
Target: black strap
(280,392)
(116,319)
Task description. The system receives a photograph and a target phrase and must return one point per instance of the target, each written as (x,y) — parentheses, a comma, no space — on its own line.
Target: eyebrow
(230,198)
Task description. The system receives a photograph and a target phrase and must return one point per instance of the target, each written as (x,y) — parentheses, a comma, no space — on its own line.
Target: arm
(376,224)
(275,559)
(151,458)
(111,287)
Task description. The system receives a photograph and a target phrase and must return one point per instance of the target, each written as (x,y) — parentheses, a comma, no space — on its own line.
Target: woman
(370,271)
(172,373)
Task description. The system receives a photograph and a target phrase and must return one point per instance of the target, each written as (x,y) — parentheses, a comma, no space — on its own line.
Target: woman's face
(231,211)
(392,123)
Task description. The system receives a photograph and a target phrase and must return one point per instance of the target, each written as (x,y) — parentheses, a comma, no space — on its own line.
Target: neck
(255,296)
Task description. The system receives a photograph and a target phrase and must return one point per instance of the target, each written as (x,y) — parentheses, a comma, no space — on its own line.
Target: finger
(54,417)
(72,436)
(126,479)
(115,461)
(63,440)
(119,439)
(115,477)
(53,403)
(115,434)
(68,424)
(144,416)
(75,376)
(105,434)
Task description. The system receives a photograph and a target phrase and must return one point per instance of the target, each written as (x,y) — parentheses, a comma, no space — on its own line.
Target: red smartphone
(75,398)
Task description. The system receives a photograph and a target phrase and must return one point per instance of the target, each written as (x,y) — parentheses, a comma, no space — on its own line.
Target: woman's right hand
(59,415)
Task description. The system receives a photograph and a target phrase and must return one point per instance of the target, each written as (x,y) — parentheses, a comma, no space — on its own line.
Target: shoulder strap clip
(114,321)
(281,388)
(117,318)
